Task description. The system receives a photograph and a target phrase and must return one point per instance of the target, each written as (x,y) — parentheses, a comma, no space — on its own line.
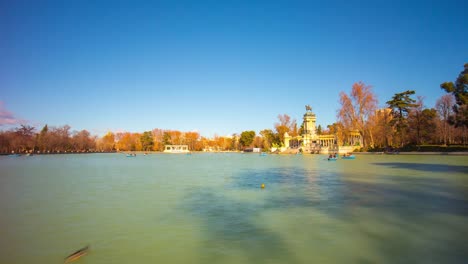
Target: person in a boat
(330,156)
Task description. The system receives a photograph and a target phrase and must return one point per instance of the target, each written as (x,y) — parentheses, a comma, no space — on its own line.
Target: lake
(209,208)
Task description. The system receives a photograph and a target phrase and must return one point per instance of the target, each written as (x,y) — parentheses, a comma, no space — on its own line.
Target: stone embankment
(414,153)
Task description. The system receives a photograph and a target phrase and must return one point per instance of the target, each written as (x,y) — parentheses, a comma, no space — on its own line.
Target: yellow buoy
(263,186)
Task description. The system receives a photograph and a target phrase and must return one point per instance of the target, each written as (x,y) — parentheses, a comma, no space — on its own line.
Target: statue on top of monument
(308,108)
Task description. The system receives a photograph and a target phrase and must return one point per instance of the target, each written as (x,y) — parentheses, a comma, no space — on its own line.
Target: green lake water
(209,208)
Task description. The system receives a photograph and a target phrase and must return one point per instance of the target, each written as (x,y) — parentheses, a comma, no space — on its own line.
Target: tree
(235,142)
(82,141)
(225,143)
(107,142)
(428,126)
(158,139)
(356,110)
(167,138)
(415,120)
(43,138)
(319,130)
(258,142)
(460,91)
(246,138)
(218,142)
(146,141)
(284,125)
(128,142)
(401,104)
(57,139)
(422,124)
(301,129)
(383,127)
(136,140)
(444,106)
(191,139)
(60,139)
(176,137)
(4,142)
(338,130)
(24,138)
(269,138)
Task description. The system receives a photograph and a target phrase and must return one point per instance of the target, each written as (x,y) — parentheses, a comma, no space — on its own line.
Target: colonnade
(176,148)
(327,140)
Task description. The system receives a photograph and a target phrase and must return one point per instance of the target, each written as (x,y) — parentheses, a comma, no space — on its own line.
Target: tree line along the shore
(405,122)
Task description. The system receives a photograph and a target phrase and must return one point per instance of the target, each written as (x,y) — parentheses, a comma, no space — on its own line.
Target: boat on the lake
(349,157)
(332,157)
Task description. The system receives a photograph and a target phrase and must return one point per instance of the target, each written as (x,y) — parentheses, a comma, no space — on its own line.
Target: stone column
(286,140)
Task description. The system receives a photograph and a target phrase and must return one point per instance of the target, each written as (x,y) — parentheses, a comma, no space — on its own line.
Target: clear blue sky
(218,67)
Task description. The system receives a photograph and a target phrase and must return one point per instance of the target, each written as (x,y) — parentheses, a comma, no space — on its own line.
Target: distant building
(310,142)
(176,149)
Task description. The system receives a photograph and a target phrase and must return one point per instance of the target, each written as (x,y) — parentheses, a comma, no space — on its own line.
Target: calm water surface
(209,208)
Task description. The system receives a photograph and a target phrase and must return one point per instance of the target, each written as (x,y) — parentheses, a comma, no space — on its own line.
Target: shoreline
(455,153)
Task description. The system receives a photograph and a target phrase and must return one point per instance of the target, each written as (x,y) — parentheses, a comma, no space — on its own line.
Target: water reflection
(425,166)
(211,209)
(404,219)
(232,231)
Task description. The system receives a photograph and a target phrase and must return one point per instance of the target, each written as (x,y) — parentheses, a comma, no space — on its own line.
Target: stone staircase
(313,149)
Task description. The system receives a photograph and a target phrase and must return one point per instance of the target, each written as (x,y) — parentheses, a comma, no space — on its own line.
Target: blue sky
(218,67)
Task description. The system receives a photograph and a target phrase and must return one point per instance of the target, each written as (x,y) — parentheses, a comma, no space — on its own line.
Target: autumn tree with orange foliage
(191,139)
(284,125)
(128,141)
(158,135)
(147,141)
(269,138)
(383,128)
(107,142)
(337,130)
(258,142)
(222,143)
(83,141)
(177,137)
(357,109)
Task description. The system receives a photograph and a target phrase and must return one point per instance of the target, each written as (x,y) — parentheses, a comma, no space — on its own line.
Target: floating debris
(76,255)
